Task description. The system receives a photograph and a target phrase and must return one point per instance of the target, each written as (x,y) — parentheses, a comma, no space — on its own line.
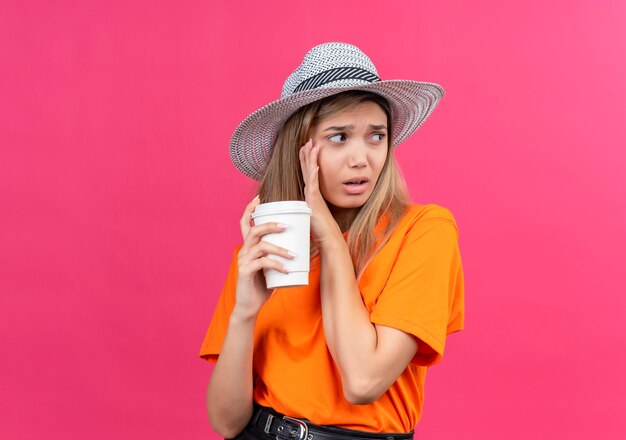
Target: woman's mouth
(356,186)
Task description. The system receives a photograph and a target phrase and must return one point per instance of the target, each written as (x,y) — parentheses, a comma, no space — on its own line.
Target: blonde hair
(282,179)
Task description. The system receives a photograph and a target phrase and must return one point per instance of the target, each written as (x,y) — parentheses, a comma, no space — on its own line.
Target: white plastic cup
(295,238)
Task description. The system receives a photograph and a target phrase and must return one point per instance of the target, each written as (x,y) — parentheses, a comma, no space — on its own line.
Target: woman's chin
(345,206)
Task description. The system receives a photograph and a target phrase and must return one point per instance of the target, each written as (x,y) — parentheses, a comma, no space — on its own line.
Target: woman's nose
(357,157)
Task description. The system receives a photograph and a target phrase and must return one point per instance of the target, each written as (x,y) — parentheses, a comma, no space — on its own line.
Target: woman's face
(353,148)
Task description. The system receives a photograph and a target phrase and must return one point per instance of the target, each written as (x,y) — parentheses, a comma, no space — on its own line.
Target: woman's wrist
(334,241)
(333,248)
(241,316)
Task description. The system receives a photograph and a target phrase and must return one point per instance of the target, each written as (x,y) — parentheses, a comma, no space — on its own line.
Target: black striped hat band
(336,74)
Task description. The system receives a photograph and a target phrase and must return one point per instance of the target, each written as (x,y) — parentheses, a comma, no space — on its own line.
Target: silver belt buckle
(303,429)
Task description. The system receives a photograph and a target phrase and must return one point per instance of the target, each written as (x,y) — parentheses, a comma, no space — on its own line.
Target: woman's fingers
(312,187)
(314,167)
(313,154)
(255,232)
(263,248)
(303,165)
(266,263)
(257,258)
(310,170)
(304,154)
(246,219)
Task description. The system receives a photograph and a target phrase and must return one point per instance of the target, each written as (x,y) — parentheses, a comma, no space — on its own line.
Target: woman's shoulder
(417,213)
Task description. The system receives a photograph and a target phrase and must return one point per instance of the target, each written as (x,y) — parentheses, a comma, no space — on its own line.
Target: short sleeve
(212,344)
(424,294)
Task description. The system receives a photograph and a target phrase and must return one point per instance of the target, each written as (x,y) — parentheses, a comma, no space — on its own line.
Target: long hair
(283,180)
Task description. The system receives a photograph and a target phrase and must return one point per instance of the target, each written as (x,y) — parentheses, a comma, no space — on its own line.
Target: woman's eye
(337,138)
(378,136)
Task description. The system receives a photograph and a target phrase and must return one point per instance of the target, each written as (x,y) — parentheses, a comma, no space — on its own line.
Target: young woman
(345,356)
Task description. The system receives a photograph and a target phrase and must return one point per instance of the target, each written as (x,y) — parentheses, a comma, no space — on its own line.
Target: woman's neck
(343,216)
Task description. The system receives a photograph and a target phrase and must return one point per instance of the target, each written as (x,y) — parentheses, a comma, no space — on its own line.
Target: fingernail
(282,225)
(255,197)
(291,254)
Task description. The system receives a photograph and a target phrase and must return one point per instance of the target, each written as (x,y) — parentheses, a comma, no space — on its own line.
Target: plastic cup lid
(284,207)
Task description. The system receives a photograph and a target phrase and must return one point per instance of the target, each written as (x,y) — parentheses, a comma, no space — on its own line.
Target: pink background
(119,206)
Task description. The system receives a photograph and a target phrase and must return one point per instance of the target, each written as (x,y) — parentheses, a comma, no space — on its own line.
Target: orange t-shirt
(414,284)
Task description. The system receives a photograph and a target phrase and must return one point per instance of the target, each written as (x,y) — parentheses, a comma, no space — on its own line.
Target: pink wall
(119,206)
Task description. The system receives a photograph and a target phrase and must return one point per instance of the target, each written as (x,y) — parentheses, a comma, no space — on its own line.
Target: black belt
(280,427)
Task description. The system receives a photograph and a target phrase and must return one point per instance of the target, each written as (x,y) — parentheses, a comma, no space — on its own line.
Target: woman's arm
(229,395)
(369,357)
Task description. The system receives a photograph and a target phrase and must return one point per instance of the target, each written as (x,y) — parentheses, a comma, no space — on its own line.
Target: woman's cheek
(379,159)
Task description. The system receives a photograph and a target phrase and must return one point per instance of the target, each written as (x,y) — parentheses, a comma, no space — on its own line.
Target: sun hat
(326,70)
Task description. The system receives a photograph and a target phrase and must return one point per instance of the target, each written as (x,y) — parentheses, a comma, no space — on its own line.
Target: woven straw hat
(328,69)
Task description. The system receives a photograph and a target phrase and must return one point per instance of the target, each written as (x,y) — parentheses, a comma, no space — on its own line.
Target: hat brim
(251,144)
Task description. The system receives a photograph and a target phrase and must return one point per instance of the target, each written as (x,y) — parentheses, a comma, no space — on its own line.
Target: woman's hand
(323,225)
(252,259)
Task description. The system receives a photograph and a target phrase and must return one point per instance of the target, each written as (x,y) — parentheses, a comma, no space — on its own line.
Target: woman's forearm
(350,335)
(229,396)
(369,357)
